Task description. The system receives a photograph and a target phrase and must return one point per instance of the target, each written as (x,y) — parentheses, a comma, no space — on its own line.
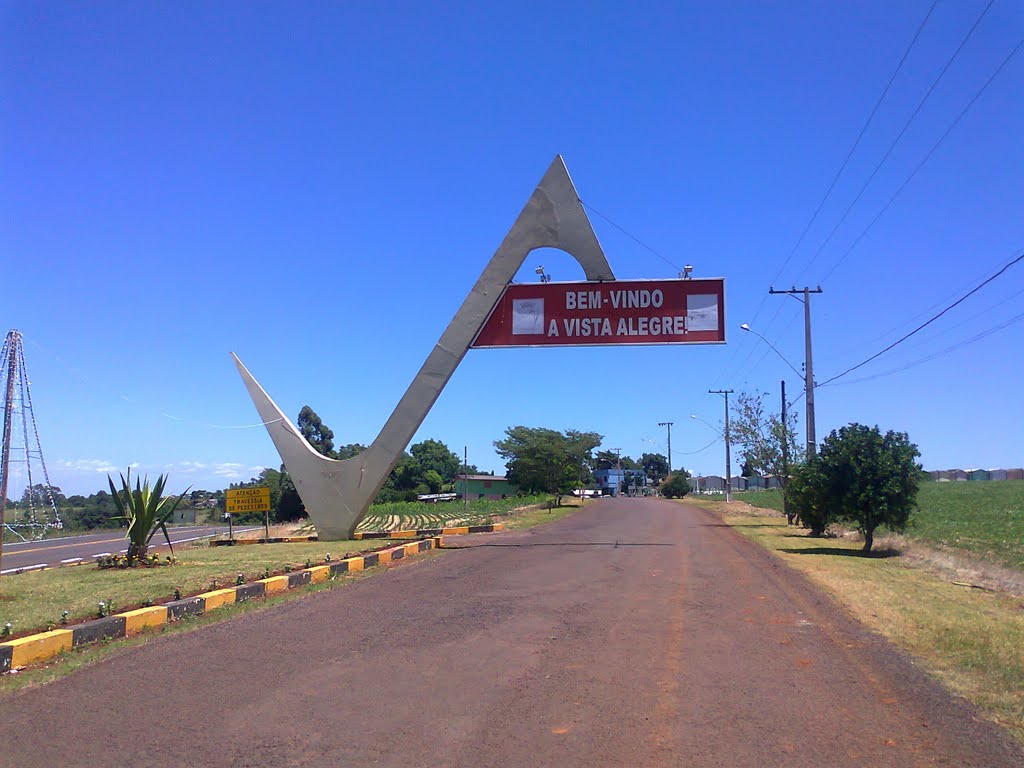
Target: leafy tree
(317,434)
(546,460)
(433,481)
(655,465)
(760,436)
(36,495)
(807,497)
(871,479)
(349,451)
(676,486)
(433,455)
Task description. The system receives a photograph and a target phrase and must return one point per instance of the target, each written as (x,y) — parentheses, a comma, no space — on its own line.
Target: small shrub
(239,580)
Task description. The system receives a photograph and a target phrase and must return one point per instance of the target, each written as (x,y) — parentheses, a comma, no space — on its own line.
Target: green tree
(349,451)
(433,481)
(676,486)
(871,479)
(317,434)
(761,436)
(435,455)
(807,497)
(656,467)
(546,460)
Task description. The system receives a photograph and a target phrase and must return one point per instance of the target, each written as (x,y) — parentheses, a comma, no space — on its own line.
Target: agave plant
(146,511)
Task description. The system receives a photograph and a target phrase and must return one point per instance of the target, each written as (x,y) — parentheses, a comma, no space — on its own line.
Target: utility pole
(618,470)
(668,424)
(812,443)
(728,457)
(785,452)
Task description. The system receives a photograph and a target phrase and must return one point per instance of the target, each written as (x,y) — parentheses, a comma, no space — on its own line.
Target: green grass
(984,517)
(32,601)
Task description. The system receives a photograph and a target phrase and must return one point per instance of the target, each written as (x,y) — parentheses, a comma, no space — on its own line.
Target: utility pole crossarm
(812,442)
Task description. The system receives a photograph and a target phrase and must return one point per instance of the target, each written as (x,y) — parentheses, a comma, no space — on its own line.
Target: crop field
(415,515)
(984,517)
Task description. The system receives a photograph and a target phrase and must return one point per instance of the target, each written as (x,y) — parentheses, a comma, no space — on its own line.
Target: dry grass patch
(973,640)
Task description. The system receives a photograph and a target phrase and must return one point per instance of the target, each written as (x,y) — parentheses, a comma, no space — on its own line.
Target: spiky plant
(145,510)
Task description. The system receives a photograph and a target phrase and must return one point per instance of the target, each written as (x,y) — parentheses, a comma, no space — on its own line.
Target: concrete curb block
(457,531)
(271,540)
(48,645)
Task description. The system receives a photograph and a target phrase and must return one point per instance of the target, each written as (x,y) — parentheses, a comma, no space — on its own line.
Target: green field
(984,517)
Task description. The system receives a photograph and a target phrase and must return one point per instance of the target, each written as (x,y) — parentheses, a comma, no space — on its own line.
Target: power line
(932,319)
(924,160)
(900,135)
(842,167)
(860,135)
(921,361)
(632,237)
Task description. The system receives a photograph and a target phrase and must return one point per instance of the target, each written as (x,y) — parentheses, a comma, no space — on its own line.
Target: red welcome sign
(630,312)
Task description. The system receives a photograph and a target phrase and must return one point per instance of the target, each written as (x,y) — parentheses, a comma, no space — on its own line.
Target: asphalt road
(30,555)
(634,633)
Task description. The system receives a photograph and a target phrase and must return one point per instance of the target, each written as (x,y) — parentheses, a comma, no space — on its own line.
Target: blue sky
(316,186)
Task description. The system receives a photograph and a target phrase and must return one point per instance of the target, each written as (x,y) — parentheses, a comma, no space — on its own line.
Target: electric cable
(899,136)
(932,319)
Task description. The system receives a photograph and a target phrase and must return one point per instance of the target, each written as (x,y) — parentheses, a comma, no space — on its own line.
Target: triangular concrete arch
(337,494)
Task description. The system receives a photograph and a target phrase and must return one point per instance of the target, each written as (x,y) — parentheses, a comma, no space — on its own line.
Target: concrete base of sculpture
(337,494)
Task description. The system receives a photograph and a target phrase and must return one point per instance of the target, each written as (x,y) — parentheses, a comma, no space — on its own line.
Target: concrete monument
(336,493)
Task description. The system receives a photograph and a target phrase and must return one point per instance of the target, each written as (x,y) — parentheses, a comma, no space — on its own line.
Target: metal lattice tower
(41,511)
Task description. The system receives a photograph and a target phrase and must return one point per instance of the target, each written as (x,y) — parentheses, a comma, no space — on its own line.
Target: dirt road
(635,633)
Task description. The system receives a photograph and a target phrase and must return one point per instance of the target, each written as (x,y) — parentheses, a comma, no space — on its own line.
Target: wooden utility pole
(812,443)
(668,424)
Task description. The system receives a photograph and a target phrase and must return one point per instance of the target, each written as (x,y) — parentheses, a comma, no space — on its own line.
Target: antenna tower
(40,512)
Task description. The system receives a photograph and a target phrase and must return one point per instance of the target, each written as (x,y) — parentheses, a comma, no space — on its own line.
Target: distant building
(484,487)
(998,474)
(609,481)
(712,484)
(757,483)
(977,474)
(1015,474)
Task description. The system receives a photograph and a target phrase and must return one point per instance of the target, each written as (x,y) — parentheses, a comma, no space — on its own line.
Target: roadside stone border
(47,645)
(456,531)
(417,534)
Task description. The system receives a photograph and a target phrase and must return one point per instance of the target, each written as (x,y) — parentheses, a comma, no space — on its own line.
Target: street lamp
(543,277)
(746,327)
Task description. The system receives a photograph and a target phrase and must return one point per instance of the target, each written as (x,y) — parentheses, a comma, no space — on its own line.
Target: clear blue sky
(316,186)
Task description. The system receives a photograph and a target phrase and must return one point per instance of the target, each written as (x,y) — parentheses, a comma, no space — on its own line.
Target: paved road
(635,633)
(68,549)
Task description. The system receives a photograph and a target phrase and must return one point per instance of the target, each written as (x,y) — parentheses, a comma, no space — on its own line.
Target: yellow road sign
(248,500)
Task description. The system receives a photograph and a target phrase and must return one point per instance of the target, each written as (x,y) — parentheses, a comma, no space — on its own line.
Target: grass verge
(36,600)
(86,655)
(970,639)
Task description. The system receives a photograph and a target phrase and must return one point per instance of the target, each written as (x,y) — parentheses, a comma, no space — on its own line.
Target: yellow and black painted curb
(456,531)
(47,645)
(417,534)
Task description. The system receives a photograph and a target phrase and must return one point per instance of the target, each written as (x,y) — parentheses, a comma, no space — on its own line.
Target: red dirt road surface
(634,633)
